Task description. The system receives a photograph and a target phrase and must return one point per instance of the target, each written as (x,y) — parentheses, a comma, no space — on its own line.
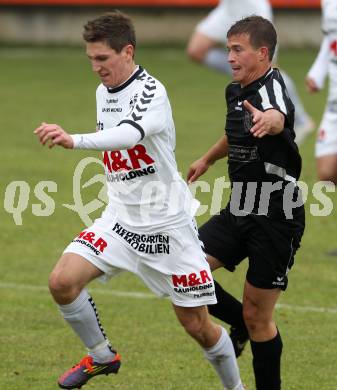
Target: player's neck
(256,74)
(129,71)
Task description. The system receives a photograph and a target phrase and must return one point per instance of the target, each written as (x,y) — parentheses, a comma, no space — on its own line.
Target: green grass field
(57,85)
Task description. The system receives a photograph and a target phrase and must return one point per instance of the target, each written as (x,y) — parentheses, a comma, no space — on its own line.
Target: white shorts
(219,21)
(171,263)
(326,142)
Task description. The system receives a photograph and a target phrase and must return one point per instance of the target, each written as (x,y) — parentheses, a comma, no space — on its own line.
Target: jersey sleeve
(116,138)
(151,112)
(274,95)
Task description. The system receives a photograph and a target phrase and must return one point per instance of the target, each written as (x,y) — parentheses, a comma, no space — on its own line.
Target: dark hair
(114,28)
(261,32)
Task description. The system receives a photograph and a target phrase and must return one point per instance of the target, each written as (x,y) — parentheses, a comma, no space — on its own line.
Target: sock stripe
(92,303)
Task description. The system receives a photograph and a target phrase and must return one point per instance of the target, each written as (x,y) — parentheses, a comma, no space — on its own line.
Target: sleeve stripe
(135,125)
(265,98)
(279,96)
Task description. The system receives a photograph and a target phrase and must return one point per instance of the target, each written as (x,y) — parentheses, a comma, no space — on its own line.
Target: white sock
(222,357)
(217,59)
(82,316)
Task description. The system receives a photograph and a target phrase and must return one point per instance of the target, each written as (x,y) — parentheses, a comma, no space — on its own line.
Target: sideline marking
(140,295)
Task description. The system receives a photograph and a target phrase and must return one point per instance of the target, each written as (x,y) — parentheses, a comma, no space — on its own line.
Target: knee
(61,286)
(253,319)
(249,317)
(327,171)
(195,54)
(326,175)
(193,326)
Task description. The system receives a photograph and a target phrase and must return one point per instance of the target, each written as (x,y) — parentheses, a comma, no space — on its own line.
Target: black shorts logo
(145,243)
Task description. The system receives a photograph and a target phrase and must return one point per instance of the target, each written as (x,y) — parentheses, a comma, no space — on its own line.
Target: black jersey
(270,159)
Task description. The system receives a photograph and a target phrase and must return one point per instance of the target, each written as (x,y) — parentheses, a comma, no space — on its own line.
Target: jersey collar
(127,82)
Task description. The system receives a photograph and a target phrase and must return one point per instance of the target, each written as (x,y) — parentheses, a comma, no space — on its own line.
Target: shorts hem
(266,286)
(327,152)
(194,304)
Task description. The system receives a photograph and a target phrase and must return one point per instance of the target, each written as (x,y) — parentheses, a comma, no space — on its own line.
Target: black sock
(228,308)
(267,363)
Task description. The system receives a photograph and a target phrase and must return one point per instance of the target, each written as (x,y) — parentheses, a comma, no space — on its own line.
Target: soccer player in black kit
(260,221)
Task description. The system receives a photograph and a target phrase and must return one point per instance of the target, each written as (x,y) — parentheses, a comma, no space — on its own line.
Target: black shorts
(269,244)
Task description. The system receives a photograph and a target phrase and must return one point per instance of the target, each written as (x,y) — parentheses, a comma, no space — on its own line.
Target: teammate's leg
(66,284)
(204,50)
(327,168)
(215,342)
(303,123)
(229,310)
(266,343)
(326,144)
(207,44)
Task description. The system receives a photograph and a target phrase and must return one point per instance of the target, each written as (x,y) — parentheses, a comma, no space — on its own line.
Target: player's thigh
(103,250)
(213,262)
(199,45)
(73,269)
(223,241)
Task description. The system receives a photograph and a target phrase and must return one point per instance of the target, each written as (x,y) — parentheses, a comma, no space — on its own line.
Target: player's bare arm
(265,122)
(215,153)
(311,85)
(318,72)
(55,134)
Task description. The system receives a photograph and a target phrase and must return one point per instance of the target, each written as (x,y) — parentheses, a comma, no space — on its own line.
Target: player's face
(112,68)
(247,63)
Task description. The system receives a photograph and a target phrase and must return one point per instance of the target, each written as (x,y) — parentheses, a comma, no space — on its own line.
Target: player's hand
(196,169)
(54,134)
(311,85)
(262,124)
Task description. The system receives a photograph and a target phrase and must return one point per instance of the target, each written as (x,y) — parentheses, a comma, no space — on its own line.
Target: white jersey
(326,63)
(329,25)
(145,189)
(326,59)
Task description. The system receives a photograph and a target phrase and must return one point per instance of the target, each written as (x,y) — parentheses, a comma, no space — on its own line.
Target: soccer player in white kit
(206,47)
(147,227)
(326,63)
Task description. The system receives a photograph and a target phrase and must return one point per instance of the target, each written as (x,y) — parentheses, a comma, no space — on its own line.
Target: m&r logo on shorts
(89,239)
(193,282)
(191,279)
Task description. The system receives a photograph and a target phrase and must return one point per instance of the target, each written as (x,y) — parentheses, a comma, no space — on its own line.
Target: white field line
(139,295)
(314,309)
(123,294)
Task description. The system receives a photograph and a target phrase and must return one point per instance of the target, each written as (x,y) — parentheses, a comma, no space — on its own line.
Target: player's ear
(263,53)
(128,51)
